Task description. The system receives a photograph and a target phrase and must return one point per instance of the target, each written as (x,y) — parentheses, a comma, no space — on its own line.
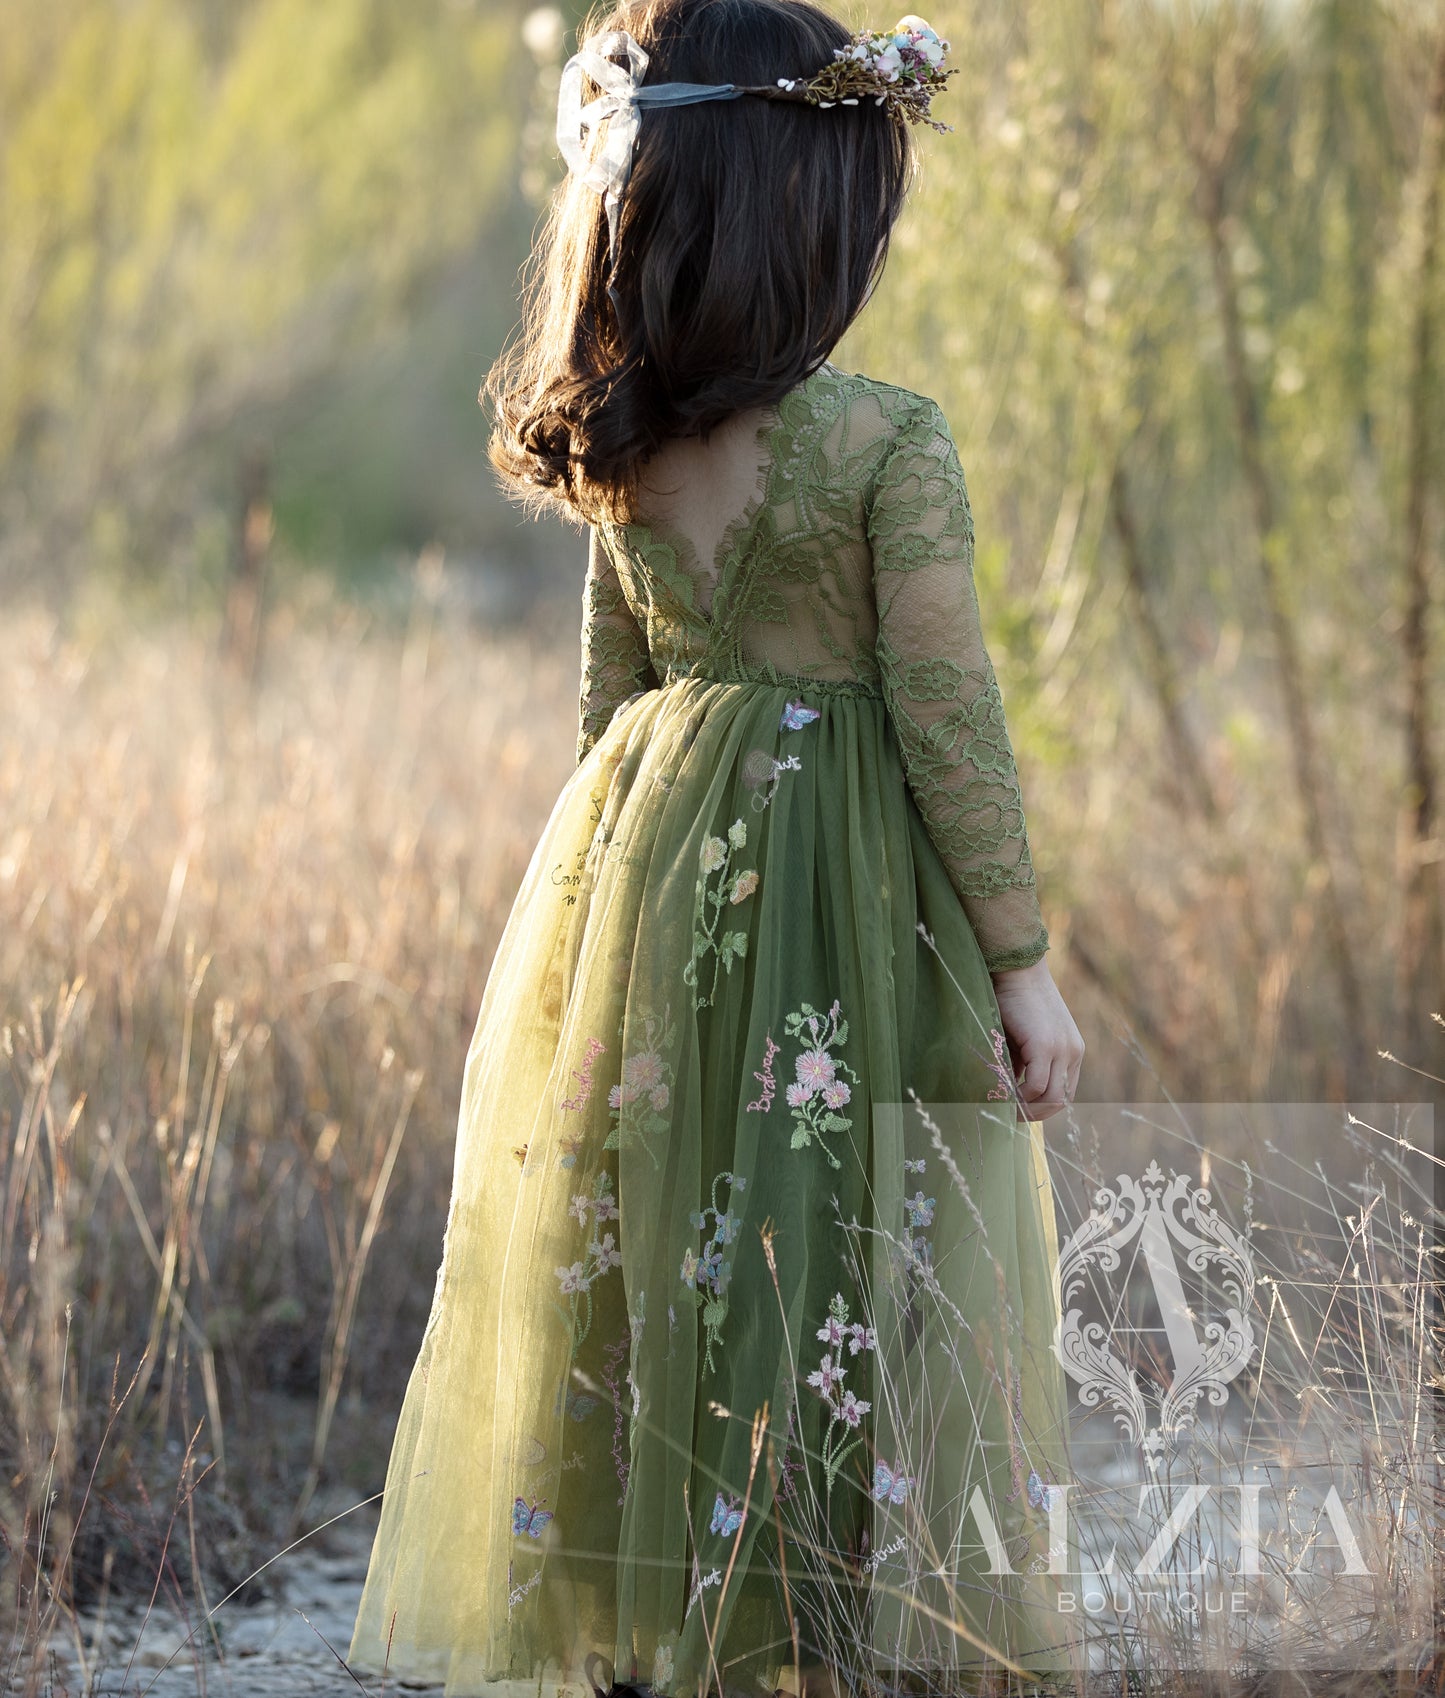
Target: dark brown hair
(752,232)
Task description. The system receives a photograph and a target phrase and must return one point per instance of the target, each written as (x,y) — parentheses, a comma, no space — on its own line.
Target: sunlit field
(1176,278)
(244,939)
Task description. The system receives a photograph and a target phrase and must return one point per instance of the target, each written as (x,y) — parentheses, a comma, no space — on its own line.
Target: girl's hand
(1044,1043)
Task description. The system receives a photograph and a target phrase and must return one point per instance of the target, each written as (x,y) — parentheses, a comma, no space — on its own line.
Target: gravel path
(276,1649)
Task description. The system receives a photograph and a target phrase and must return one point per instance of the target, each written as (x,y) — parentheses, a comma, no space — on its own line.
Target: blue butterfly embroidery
(1038,1491)
(726,1517)
(887,1484)
(798,714)
(577,1404)
(529,1520)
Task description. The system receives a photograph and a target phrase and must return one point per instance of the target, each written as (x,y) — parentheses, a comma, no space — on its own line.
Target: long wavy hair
(752,232)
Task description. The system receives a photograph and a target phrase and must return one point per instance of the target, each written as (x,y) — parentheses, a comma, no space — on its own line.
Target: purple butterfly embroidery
(798,714)
(726,1517)
(529,1520)
(1039,1492)
(887,1484)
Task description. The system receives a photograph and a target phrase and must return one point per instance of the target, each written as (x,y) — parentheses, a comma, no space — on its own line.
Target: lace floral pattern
(853,574)
(615,660)
(941,690)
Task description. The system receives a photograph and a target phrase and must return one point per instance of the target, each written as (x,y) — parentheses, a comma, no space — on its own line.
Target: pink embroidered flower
(605,1207)
(641,1074)
(659,1096)
(580,1206)
(797,1095)
(815,1068)
(744,885)
(861,1338)
(827,1375)
(572,1279)
(836,1094)
(643,1070)
(606,1252)
(714,853)
(853,1410)
(832,1331)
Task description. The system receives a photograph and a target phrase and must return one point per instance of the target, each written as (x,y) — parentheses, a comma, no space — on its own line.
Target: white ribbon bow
(608,172)
(619,106)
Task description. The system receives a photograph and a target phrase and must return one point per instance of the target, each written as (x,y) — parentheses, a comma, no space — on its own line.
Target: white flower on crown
(889,62)
(926,39)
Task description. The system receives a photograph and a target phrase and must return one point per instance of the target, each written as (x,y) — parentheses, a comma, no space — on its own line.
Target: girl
(738,1372)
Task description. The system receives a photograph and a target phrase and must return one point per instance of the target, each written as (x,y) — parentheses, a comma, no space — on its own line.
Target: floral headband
(901,70)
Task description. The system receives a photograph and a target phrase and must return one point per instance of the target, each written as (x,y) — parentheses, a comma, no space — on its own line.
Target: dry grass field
(244,935)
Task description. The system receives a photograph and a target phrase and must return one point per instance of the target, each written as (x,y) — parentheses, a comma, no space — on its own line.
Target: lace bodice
(850,569)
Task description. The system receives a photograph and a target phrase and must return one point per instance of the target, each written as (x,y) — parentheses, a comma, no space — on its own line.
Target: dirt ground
(288,1646)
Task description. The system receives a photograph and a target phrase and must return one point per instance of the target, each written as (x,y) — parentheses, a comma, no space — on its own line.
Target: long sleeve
(615,661)
(941,691)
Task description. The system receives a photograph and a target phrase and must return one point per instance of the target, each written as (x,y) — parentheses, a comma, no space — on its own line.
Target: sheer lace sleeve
(615,661)
(941,692)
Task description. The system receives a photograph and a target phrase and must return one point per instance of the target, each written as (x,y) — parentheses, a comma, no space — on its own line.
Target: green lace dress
(740,1352)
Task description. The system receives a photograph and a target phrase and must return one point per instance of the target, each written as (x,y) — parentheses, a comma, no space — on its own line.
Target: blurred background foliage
(267,221)
(289,689)
(1176,281)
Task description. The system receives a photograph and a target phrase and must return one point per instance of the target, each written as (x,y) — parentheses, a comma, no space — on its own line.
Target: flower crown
(901,70)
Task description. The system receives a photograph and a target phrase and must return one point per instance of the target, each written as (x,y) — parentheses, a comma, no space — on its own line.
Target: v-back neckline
(685,555)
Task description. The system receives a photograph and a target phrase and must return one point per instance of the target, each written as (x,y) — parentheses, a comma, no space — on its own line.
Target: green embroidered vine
(718,888)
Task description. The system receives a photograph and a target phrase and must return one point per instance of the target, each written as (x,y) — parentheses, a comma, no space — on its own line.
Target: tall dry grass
(242,942)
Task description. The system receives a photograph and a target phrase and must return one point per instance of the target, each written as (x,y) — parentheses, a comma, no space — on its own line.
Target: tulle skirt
(740,1356)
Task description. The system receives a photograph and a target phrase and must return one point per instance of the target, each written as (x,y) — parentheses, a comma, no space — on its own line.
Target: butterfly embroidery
(529,1520)
(887,1484)
(1038,1491)
(726,1517)
(798,714)
(572,1148)
(577,1404)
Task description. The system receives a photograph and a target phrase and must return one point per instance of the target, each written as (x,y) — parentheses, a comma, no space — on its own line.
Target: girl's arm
(615,660)
(941,691)
(945,705)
